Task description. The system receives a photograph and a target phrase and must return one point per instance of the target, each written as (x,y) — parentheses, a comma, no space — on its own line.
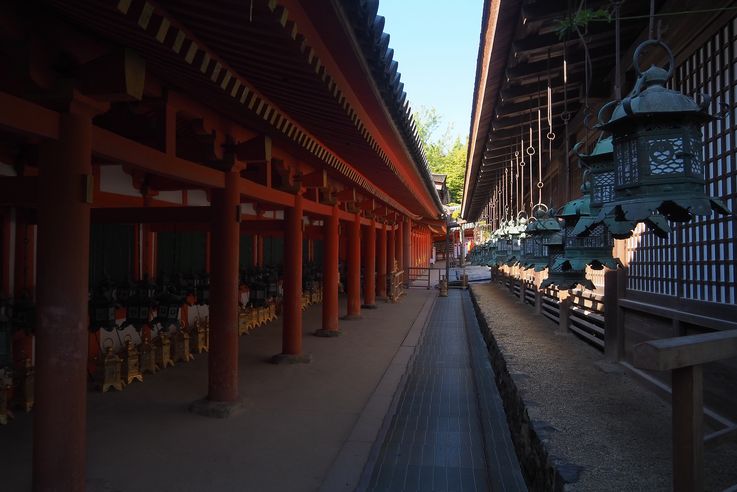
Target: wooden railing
(684,357)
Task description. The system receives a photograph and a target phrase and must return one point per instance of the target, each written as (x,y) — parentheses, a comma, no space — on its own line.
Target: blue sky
(436,43)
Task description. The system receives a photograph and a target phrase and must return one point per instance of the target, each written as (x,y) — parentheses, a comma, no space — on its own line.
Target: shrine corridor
(449,430)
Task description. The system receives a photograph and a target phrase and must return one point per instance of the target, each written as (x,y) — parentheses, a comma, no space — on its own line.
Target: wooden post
(620,317)
(369,269)
(565,312)
(353,280)
(521,290)
(612,348)
(330,277)
(292,310)
(60,413)
(381,263)
(538,301)
(688,433)
(223,358)
(406,245)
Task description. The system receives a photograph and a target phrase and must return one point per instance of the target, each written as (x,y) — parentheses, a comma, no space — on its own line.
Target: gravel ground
(604,422)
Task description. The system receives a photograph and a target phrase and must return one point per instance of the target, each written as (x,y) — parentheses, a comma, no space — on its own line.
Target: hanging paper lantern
(658,154)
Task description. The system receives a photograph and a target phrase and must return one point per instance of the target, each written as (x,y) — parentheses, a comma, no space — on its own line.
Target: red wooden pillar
(390,250)
(60,411)
(399,236)
(406,245)
(330,276)
(369,268)
(381,277)
(292,322)
(354,269)
(223,358)
(149,239)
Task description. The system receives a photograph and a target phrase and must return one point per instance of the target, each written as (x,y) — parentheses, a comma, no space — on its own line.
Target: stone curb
(542,470)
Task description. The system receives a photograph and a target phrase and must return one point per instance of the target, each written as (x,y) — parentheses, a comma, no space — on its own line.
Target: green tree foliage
(446,153)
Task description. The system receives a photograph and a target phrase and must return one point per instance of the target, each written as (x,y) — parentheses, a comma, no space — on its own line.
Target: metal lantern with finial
(515,234)
(503,245)
(590,243)
(542,230)
(124,291)
(658,154)
(102,307)
(564,270)
(168,309)
(138,306)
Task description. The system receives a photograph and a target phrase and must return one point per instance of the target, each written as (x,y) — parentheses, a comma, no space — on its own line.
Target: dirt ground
(605,422)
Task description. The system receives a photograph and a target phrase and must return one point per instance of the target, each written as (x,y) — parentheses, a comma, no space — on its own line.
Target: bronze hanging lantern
(138,307)
(515,233)
(564,269)
(503,245)
(168,310)
(658,154)
(102,307)
(542,230)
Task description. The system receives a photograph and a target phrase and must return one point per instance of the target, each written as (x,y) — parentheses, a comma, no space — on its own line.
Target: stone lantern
(658,155)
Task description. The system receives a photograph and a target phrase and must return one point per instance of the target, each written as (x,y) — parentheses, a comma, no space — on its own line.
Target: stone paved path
(449,430)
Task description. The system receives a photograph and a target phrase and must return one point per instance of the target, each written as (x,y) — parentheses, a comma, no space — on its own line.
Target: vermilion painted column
(223,357)
(330,276)
(381,259)
(354,269)
(406,245)
(292,322)
(60,411)
(390,250)
(369,268)
(398,245)
(149,240)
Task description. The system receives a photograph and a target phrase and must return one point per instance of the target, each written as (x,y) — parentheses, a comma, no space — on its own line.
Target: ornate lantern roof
(658,154)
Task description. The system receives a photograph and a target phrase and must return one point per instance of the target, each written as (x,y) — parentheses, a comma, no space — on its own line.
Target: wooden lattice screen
(697,261)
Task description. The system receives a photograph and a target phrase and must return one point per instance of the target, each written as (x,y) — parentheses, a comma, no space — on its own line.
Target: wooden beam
(149,215)
(120,149)
(21,116)
(673,353)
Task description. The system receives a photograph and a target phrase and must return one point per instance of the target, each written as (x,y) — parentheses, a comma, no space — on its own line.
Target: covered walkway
(297,417)
(449,430)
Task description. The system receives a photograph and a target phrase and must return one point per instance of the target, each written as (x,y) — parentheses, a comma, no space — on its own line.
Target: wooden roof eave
(500,21)
(354,77)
